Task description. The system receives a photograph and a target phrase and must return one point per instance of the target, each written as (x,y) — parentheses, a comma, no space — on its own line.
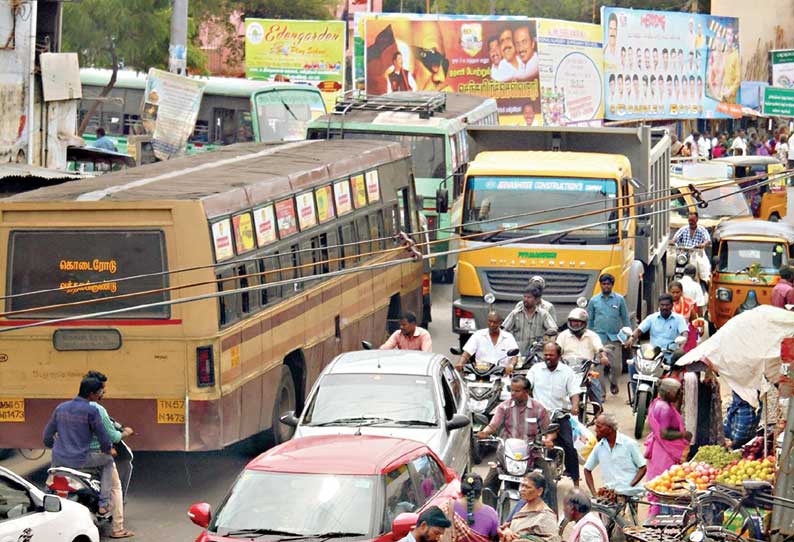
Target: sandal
(124,533)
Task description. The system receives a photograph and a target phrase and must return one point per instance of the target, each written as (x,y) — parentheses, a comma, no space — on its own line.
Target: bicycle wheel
(725,519)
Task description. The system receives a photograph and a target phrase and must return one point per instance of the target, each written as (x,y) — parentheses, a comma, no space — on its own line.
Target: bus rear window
(48,259)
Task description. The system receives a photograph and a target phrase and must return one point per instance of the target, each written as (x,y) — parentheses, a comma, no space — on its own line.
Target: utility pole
(177,49)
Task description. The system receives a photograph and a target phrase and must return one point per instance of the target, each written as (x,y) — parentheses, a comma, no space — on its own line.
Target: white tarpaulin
(746,349)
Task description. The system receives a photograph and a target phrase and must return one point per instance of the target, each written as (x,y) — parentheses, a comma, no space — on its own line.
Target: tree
(121,33)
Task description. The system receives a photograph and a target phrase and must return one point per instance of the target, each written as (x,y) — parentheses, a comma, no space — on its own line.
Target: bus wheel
(285,401)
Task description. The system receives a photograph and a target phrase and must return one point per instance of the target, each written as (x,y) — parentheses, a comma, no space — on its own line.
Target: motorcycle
(533,356)
(652,364)
(590,406)
(683,257)
(485,383)
(83,485)
(515,458)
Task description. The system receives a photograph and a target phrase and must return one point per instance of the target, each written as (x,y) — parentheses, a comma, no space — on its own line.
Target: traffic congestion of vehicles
(228,306)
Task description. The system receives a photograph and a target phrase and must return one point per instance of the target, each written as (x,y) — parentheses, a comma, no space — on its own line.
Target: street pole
(177,49)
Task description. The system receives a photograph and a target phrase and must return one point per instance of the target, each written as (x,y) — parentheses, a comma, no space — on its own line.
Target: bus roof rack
(425,104)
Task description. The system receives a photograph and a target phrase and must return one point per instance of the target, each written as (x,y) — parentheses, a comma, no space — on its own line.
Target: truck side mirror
(442,200)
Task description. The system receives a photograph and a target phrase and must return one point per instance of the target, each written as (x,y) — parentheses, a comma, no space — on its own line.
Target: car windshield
(283,114)
(304,504)
(741,256)
(349,399)
(427,151)
(506,201)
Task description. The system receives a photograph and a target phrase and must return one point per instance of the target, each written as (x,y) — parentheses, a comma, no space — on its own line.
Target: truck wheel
(285,400)
(642,413)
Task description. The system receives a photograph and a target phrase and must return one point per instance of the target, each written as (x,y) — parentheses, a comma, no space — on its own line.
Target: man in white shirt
(692,288)
(490,345)
(791,151)
(739,145)
(579,342)
(703,147)
(510,64)
(526,47)
(495,55)
(556,387)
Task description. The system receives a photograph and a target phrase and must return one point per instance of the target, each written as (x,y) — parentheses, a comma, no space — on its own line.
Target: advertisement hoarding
(297,51)
(779,102)
(662,64)
(782,68)
(571,73)
(484,57)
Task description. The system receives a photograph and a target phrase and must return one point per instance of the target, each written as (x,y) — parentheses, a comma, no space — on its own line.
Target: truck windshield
(740,256)
(283,114)
(505,202)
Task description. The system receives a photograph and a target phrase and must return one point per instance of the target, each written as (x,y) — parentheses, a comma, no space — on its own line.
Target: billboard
(782,68)
(571,73)
(491,58)
(663,64)
(297,51)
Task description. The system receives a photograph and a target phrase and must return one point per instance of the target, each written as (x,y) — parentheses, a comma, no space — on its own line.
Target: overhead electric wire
(702,187)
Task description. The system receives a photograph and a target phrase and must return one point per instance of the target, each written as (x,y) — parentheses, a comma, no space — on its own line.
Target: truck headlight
(724,294)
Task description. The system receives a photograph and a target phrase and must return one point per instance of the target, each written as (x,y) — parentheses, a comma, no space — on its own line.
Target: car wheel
(774,217)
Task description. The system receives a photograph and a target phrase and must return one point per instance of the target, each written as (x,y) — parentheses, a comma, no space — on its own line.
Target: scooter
(683,257)
(485,383)
(590,406)
(516,457)
(83,485)
(652,364)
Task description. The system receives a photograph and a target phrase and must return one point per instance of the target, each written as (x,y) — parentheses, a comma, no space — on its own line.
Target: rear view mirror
(442,200)
(200,514)
(52,503)
(458,421)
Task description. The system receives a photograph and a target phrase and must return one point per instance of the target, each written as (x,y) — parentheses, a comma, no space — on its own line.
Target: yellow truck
(531,175)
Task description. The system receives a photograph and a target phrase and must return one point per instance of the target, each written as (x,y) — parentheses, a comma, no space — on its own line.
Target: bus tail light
(426,284)
(205,367)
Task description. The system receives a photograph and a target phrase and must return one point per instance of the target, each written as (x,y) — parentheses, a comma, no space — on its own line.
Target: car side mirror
(512,353)
(52,503)
(289,418)
(402,525)
(457,351)
(442,200)
(366,345)
(458,421)
(200,514)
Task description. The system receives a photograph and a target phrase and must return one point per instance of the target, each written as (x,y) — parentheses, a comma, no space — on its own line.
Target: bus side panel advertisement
(243,233)
(170,107)
(373,186)
(571,73)
(307,216)
(81,265)
(359,191)
(285,216)
(299,52)
(325,206)
(663,64)
(222,240)
(342,197)
(265,223)
(490,58)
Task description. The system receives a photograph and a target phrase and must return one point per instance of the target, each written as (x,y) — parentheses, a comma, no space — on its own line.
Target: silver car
(396,393)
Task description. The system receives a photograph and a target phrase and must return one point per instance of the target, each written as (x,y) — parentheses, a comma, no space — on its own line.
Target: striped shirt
(520,421)
(686,239)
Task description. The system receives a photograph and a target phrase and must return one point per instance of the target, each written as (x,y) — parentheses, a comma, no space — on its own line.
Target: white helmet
(577,319)
(538,280)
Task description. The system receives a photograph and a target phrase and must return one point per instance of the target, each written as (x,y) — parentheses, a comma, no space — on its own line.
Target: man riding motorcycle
(540,282)
(490,345)
(584,343)
(528,321)
(520,417)
(696,238)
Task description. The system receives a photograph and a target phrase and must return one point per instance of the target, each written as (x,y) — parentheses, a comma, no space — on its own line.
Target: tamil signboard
(571,73)
(782,61)
(297,51)
(778,102)
(663,64)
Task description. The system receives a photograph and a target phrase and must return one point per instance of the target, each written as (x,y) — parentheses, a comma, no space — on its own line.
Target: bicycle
(614,506)
(717,515)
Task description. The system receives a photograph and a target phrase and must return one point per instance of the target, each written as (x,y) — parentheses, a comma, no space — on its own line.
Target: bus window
(427,150)
(347,240)
(362,227)
(402,202)
(227,304)
(377,230)
(247,301)
(295,263)
(263,297)
(325,255)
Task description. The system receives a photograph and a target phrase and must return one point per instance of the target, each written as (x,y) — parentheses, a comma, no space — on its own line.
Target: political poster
(297,51)
(491,58)
(663,64)
(571,73)
(782,68)
(170,107)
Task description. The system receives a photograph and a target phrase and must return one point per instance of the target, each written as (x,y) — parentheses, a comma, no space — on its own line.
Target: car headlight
(468,324)
(681,259)
(724,294)
(516,468)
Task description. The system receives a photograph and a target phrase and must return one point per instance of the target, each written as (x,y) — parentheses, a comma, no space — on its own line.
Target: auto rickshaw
(769,201)
(748,257)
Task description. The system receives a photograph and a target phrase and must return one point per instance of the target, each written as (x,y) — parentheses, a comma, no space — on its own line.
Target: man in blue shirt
(622,463)
(664,326)
(607,313)
(69,433)
(103,142)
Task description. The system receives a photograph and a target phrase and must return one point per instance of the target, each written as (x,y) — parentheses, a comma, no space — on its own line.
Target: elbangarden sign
(779,102)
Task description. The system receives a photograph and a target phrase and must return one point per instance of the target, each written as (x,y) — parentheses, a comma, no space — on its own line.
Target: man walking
(607,314)
(75,422)
(622,463)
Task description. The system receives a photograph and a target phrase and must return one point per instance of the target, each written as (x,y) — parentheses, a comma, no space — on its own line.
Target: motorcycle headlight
(516,468)
(648,352)
(477,405)
(724,294)
(681,259)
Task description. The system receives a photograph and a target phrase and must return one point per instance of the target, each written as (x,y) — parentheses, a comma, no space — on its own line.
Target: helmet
(577,319)
(538,280)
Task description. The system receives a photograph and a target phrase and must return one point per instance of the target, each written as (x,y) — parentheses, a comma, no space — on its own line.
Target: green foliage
(266,9)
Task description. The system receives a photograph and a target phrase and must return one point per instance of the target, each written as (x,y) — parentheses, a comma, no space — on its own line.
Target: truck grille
(558,283)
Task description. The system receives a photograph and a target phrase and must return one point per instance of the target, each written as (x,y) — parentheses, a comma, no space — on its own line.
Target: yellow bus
(204,374)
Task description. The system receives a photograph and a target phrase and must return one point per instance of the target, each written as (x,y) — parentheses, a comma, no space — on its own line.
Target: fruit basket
(667,487)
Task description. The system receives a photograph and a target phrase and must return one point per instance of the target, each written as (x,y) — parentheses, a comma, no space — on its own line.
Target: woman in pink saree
(668,442)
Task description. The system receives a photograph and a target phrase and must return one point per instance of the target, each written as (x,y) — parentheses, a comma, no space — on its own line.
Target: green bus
(232,110)
(432,125)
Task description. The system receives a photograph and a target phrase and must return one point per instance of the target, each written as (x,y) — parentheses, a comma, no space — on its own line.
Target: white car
(30,515)
(396,393)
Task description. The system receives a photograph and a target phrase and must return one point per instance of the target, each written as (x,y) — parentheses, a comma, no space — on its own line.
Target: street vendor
(741,422)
